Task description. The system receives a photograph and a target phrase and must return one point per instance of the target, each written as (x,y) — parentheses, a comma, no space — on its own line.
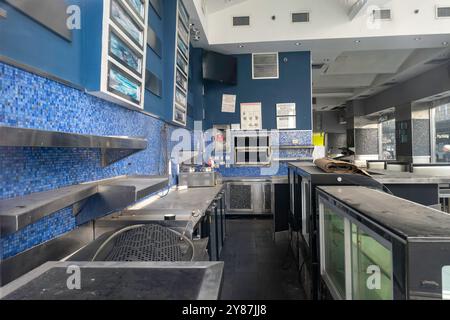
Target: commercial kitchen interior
(225,149)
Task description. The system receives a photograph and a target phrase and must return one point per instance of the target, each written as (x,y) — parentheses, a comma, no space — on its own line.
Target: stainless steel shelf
(113,148)
(96,198)
(292,147)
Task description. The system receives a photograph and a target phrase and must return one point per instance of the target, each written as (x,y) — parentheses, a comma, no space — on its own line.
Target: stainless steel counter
(188,205)
(272,179)
(393,177)
(190,199)
(120,280)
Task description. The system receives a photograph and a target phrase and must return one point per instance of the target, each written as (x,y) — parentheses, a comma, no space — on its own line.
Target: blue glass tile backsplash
(31,101)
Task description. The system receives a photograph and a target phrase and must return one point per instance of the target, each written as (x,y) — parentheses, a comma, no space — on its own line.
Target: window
(387,149)
(442,133)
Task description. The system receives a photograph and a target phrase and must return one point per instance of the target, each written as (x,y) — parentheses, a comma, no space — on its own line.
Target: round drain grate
(149,243)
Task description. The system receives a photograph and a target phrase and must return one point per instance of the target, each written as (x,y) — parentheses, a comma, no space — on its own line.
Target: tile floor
(257,268)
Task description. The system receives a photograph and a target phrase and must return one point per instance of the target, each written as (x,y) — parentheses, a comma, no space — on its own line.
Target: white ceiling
(357,62)
(217,5)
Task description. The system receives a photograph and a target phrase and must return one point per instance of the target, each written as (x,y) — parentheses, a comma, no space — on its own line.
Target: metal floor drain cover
(149,243)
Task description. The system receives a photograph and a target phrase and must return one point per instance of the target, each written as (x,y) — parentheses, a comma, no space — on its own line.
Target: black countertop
(402,217)
(120,280)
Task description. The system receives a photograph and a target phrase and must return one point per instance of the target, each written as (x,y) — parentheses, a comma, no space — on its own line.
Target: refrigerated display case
(304,178)
(375,246)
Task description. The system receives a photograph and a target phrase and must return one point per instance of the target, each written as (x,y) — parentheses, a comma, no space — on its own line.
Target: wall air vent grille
(265,65)
(241,21)
(443,12)
(382,14)
(300,17)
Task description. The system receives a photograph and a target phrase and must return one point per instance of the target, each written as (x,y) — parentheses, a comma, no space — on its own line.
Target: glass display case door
(355,263)
(306,201)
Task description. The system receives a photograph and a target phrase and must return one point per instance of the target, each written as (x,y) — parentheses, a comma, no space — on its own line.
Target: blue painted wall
(77,62)
(293,85)
(28,42)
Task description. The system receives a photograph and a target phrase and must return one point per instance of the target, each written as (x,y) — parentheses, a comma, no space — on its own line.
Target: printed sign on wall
(286,116)
(251,116)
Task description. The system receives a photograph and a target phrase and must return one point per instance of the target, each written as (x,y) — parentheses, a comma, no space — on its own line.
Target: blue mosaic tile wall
(250,171)
(30,101)
(34,234)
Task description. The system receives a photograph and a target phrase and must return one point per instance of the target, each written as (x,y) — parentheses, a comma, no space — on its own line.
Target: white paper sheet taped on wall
(229,103)
(286,116)
(287,122)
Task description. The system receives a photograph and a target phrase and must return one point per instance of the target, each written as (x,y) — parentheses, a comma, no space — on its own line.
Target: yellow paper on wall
(319,139)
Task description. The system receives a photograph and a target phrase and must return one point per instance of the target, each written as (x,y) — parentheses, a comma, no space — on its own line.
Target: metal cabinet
(249,197)
(214,226)
(209,229)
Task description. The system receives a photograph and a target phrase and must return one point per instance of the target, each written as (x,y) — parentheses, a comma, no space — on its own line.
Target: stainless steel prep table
(182,203)
(190,206)
(120,280)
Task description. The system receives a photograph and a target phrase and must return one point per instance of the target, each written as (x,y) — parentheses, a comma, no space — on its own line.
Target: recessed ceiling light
(357,41)
(445,43)
(418,38)
(241,46)
(298,44)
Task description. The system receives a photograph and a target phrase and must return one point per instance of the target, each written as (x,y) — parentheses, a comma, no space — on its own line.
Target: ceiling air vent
(382,14)
(241,21)
(317,66)
(300,17)
(265,65)
(438,61)
(443,12)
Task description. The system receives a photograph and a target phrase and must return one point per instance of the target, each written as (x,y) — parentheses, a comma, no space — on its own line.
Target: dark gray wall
(328,122)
